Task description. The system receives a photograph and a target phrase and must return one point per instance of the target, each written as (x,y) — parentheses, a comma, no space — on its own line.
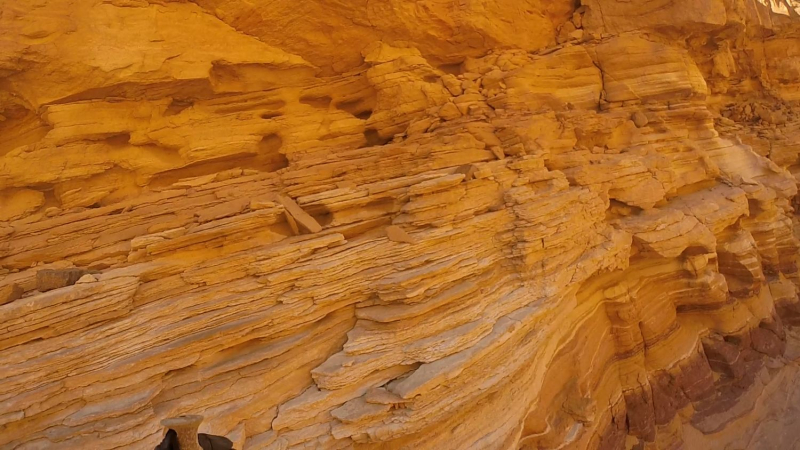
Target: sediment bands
(492,224)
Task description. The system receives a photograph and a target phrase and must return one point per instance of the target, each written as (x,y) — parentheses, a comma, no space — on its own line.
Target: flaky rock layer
(492,224)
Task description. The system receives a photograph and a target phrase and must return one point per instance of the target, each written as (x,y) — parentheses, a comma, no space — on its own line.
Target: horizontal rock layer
(487,225)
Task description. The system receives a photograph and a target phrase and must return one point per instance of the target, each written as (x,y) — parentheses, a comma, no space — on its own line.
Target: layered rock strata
(438,225)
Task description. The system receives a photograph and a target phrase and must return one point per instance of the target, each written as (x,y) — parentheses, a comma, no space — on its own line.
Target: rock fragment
(10,292)
(640,119)
(49,279)
(299,215)
(397,234)
(449,111)
(88,278)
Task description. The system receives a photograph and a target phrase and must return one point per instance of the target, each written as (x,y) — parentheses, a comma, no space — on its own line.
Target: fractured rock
(299,216)
(449,111)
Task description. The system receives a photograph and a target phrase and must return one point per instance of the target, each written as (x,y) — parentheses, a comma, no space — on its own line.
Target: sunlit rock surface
(475,224)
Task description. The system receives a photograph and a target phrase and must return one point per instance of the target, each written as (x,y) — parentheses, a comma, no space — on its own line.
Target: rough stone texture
(391,224)
(49,279)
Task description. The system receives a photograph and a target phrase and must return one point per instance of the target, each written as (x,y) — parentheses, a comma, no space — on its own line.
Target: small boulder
(640,119)
(577,19)
(763,113)
(498,152)
(449,111)
(565,31)
(576,35)
(452,84)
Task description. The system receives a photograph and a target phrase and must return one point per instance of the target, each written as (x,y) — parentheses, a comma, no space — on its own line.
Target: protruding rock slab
(297,213)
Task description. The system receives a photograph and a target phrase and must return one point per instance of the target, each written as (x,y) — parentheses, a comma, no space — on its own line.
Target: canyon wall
(391,224)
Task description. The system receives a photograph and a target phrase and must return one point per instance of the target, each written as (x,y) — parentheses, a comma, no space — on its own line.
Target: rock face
(494,224)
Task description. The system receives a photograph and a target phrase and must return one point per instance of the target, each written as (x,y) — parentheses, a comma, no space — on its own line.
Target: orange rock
(300,217)
(397,234)
(10,292)
(600,204)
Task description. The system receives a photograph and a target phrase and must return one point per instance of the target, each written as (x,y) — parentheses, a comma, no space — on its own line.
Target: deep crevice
(323,102)
(177,106)
(374,138)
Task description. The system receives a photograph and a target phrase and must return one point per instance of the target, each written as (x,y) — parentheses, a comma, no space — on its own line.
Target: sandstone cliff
(472,224)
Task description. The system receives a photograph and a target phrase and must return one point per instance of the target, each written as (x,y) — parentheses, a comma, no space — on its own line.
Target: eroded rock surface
(391,224)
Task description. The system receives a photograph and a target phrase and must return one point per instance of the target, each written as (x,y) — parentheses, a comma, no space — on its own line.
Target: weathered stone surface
(49,279)
(392,224)
(10,292)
